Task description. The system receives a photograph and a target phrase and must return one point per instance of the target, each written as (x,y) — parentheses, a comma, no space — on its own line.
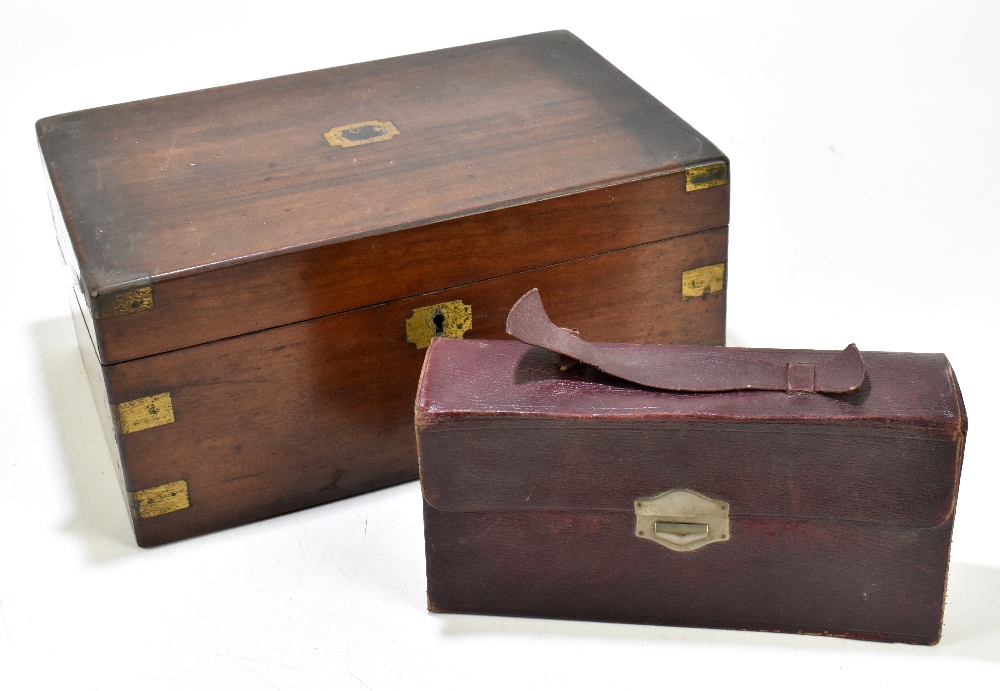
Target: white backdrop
(864,145)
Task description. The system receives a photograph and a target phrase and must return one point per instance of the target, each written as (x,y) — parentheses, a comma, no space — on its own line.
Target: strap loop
(801,376)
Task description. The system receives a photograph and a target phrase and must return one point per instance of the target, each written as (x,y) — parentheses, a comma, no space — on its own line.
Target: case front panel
(841,578)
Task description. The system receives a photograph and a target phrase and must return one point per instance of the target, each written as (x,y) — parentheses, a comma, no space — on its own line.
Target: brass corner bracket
(156,501)
(703,281)
(705,176)
(144,413)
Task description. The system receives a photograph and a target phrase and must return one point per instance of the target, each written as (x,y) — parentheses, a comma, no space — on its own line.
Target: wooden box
(575,495)
(260,266)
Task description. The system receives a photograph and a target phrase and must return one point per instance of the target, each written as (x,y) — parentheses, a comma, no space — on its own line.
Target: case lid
(175,187)
(502,427)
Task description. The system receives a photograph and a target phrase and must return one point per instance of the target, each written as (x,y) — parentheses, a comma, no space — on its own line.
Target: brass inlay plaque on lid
(705,176)
(359,133)
(143,413)
(125,302)
(702,281)
(446,319)
(161,499)
(681,520)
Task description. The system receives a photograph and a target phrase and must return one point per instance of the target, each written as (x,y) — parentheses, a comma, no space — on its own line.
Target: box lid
(160,190)
(501,427)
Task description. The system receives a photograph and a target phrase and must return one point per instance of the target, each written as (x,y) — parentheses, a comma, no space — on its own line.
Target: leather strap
(688,368)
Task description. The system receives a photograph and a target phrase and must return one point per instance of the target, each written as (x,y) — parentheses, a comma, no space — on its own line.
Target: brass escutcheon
(445,319)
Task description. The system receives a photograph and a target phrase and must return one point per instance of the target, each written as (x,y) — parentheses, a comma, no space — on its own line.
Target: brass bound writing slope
(259,268)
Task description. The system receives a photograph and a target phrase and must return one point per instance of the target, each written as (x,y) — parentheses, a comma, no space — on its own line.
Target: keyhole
(438,324)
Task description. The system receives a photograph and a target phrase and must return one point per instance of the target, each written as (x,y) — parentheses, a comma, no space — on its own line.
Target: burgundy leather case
(839,509)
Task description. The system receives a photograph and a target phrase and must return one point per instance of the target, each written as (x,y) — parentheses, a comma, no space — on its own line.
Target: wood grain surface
(233,206)
(208,306)
(311,412)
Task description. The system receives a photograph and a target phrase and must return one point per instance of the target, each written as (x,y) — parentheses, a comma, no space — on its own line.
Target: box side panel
(62,234)
(96,378)
(303,414)
(873,582)
(294,287)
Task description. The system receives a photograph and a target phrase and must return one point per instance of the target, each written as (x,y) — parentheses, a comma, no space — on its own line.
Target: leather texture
(699,369)
(869,582)
(502,428)
(841,505)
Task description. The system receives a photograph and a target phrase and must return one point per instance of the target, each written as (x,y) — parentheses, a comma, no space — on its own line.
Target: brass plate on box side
(703,177)
(445,319)
(143,413)
(359,133)
(125,302)
(161,499)
(681,520)
(702,281)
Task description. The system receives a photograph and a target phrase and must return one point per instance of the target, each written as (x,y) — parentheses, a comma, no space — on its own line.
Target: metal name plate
(359,133)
